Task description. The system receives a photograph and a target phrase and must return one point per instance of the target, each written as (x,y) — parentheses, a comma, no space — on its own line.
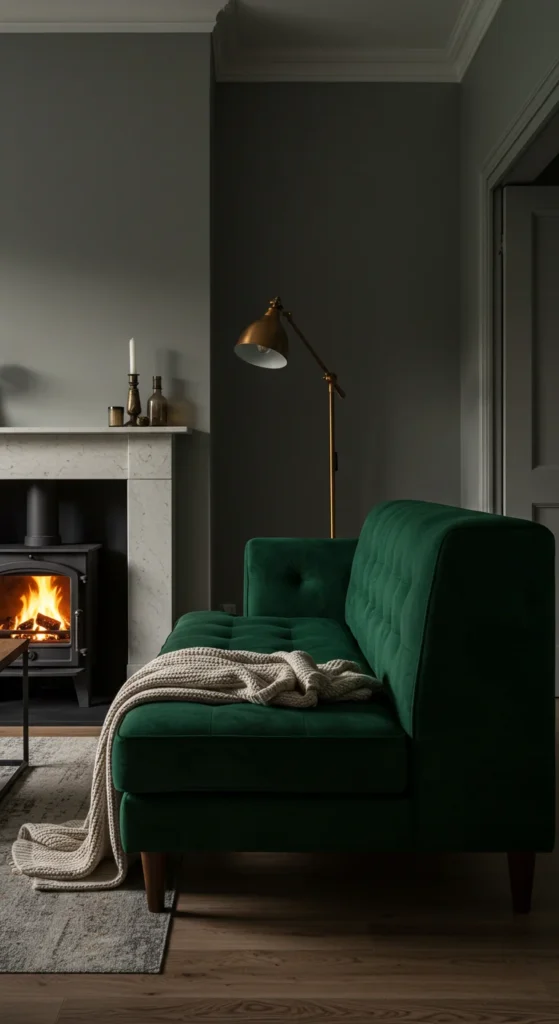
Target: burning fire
(42,602)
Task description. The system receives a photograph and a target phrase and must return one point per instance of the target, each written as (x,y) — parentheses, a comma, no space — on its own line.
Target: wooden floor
(330,940)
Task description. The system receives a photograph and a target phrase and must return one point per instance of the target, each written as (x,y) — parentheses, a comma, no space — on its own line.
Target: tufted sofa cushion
(322,638)
(297,576)
(389,588)
(243,748)
(415,588)
(190,747)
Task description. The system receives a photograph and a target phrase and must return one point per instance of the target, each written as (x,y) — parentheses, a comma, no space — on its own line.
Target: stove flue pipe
(42,515)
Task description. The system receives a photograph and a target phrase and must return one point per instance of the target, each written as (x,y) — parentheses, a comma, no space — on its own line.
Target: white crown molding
(332,66)
(473,23)
(71,27)
(237,63)
(109,15)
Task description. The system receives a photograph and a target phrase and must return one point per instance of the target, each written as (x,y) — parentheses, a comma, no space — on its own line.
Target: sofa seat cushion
(178,746)
(323,639)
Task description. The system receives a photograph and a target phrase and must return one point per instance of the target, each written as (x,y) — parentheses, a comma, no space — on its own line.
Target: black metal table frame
(21,764)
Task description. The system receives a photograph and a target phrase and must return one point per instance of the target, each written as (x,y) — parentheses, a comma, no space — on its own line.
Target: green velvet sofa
(454,611)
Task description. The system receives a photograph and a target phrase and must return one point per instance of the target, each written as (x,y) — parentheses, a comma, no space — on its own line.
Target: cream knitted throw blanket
(88,854)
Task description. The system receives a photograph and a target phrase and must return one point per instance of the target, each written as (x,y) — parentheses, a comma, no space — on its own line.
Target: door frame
(538,109)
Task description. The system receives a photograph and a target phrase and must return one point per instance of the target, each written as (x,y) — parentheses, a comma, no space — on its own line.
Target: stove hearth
(48,593)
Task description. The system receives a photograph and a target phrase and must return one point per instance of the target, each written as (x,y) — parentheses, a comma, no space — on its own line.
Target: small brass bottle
(157,406)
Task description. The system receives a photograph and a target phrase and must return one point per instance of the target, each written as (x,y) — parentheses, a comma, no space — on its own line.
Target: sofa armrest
(483,706)
(297,576)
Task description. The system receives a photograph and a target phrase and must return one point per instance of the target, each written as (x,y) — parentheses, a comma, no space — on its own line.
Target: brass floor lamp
(264,343)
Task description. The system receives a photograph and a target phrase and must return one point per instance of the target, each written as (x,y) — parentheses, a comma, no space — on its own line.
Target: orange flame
(43,597)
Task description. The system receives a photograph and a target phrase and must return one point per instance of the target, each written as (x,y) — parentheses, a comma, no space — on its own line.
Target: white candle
(132,356)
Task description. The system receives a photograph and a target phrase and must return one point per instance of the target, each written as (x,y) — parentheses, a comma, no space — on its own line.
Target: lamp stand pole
(330,379)
(333,386)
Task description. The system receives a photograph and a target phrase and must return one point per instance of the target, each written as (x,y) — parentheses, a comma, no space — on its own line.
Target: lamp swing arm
(328,375)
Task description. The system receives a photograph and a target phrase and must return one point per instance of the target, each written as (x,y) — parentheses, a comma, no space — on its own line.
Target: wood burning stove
(48,593)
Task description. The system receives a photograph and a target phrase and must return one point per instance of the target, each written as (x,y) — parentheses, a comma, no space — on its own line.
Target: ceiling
(290,40)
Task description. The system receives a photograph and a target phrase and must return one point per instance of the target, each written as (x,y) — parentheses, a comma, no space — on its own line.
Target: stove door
(41,600)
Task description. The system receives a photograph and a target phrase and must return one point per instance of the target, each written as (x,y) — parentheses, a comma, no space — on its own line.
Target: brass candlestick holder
(133,406)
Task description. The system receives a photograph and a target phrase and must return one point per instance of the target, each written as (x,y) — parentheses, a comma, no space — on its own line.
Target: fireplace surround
(141,457)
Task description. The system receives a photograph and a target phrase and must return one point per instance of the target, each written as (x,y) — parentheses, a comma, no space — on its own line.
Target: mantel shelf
(96,430)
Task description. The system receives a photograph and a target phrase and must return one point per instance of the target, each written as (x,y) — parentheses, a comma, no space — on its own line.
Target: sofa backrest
(441,598)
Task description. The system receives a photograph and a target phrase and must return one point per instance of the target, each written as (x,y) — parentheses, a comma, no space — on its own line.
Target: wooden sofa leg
(521,875)
(153,865)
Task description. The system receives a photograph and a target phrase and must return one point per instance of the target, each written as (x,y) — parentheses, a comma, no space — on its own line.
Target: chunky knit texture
(89,854)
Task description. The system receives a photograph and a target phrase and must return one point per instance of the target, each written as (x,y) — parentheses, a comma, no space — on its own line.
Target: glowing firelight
(43,597)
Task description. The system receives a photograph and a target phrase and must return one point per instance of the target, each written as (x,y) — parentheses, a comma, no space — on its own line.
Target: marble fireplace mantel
(142,456)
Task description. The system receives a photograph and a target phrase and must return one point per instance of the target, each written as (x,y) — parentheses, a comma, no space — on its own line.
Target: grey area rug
(55,932)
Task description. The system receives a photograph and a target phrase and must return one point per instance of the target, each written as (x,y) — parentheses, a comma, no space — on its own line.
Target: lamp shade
(264,343)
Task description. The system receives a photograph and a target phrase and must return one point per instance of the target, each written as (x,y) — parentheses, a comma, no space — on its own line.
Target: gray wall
(514,57)
(344,200)
(104,234)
